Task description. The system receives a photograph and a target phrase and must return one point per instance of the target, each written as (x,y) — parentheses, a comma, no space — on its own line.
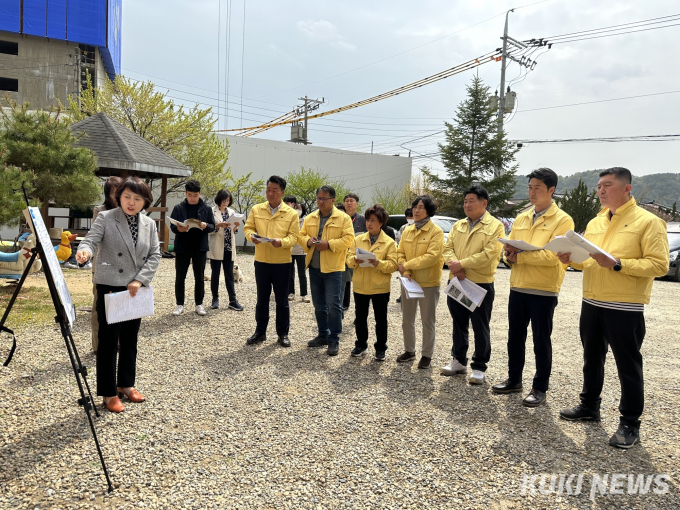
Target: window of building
(9,48)
(9,84)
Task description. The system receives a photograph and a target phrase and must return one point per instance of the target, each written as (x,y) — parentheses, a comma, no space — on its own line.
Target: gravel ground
(231,426)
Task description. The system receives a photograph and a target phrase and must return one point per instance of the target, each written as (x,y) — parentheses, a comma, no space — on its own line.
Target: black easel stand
(79,370)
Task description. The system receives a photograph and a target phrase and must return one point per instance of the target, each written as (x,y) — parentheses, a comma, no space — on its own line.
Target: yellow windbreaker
(373,280)
(283,225)
(638,239)
(421,253)
(478,251)
(338,231)
(539,270)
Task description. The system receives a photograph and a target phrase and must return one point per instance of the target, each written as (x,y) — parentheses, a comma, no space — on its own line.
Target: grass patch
(33,306)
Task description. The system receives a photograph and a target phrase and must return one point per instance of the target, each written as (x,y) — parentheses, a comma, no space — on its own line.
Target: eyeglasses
(321,199)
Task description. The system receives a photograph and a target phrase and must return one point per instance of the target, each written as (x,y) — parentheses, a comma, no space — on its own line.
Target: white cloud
(324,31)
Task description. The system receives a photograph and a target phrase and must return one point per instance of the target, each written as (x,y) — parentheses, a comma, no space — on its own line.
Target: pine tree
(581,205)
(473,150)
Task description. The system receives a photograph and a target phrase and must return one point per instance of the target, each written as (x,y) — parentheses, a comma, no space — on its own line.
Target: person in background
(222,250)
(372,284)
(273,220)
(615,292)
(128,253)
(109,204)
(535,282)
(351,202)
(409,221)
(191,245)
(420,259)
(326,235)
(472,252)
(298,255)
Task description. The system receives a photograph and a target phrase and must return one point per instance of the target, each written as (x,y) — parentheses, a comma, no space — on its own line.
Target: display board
(34,218)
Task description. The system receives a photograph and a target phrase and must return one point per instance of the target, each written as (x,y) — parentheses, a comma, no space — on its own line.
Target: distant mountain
(662,189)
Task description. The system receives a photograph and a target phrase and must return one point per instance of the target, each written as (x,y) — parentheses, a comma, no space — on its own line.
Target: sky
(349,50)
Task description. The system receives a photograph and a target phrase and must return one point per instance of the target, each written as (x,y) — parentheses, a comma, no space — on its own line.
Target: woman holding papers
(222,249)
(372,274)
(127,259)
(420,260)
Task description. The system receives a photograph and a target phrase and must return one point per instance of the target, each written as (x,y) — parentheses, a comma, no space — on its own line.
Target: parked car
(444,222)
(673,234)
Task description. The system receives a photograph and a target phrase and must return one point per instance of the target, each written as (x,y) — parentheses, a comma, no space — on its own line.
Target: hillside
(663,188)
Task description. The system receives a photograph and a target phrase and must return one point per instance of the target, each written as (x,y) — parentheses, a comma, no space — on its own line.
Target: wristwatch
(617,266)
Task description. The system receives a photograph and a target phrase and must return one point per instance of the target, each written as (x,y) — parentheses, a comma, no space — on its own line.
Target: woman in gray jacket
(128,255)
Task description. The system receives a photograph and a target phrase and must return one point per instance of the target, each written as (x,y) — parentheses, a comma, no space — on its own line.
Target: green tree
(11,196)
(303,185)
(394,199)
(581,205)
(41,145)
(184,134)
(245,194)
(472,151)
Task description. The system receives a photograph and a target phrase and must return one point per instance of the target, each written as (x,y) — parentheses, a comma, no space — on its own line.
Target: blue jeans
(327,299)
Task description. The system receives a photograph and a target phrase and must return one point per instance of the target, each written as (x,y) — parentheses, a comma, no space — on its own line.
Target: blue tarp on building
(10,15)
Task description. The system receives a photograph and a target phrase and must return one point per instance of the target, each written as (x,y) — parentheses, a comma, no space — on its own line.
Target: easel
(79,370)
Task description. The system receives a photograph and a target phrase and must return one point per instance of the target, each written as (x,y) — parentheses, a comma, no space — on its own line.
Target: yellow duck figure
(63,251)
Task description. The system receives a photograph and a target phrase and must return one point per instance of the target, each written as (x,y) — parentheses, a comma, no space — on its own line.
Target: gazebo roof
(120,150)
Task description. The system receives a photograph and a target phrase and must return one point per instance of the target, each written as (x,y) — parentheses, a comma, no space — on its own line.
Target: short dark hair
(379,212)
(290,199)
(622,174)
(326,188)
(138,186)
(408,212)
(340,206)
(222,195)
(548,176)
(303,208)
(275,179)
(351,195)
(481,193)
(192,186)
(111,185)
(428,202)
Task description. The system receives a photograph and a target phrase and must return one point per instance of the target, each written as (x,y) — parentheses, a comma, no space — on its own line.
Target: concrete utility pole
(309,106)
(501,100)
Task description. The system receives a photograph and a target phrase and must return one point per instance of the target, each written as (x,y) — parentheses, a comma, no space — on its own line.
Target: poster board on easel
(35,221)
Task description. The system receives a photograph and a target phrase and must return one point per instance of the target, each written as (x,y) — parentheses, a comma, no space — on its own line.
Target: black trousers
(523,308)
(197,260)
(361,304)
(110,335)
(299,261)
(480,318)
(347,293)
(624,332)
(228,264)
(268,276)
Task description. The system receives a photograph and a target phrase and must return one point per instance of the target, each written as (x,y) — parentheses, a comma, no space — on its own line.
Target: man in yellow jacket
(472,251)
(326,235)
(535,283)
(615,291)
(278,224)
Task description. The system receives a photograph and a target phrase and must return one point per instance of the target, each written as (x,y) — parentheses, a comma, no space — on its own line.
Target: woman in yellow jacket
(420,259)
(372,283)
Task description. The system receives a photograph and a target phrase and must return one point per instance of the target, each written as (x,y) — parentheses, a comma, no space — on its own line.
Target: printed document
(579,247)
(261,239)
(235,218)
(411,288)
(520,245)
(467,293)
(365,256)
(121,306)
(191,223)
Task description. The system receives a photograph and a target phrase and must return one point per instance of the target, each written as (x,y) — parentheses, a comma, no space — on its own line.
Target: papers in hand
(467,293)
(365,256)
(411,288)
(261,239)
(579,247)
(191,223)
(235,218)
(121,306)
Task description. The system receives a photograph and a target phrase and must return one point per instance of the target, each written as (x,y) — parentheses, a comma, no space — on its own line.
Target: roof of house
(119,148)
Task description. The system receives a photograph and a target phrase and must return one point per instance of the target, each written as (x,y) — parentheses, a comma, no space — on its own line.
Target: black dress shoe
(284,341)
(333,349)
(580,413)
(318,341)
(535,398)
(506,387)
(255,339)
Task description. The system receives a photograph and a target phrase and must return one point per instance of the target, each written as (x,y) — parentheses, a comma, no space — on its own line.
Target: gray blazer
(119,262)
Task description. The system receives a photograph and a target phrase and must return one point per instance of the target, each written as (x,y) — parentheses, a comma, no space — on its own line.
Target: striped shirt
(616,305)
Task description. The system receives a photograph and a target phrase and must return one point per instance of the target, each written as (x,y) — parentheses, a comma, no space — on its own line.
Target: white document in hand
(235,218)
(191,223)
(261,239)
(121,306)
(579,247)
(411,288)
(520,245)
(467,293)
(365,256)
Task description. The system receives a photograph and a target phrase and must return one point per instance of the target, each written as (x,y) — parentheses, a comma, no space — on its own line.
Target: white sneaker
(453,368)
(178,310)
(305,299)
(86,266)
(477,377)
(200,310)
(68,265)
(291,297)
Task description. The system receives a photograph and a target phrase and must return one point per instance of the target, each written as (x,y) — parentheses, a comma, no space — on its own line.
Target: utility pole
(298,132)
(501,100)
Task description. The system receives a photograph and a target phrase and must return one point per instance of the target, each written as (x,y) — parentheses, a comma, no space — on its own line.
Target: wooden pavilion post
(164,232)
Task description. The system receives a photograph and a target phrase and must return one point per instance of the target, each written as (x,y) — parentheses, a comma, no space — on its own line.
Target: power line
(612,139)
(600,101)
(243,55)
